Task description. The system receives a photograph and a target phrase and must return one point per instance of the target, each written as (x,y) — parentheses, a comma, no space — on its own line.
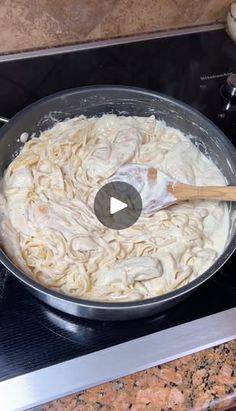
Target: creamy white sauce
(24,137)
(154,194)
(49,229)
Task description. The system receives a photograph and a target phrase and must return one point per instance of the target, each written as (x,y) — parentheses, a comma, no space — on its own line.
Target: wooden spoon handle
(188,192)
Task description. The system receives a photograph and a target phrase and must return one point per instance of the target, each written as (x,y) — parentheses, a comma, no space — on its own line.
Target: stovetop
(33,336)
(192,68)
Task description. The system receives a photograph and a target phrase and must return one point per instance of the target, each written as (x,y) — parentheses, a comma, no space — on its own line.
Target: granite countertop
(197,382)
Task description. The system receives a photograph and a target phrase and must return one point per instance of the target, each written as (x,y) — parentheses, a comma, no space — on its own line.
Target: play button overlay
(117,205)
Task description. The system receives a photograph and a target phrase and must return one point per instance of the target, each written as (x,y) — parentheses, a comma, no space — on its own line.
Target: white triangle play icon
(116,205)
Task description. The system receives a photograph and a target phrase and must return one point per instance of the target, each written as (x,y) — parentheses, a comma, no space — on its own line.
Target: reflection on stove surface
(4,274)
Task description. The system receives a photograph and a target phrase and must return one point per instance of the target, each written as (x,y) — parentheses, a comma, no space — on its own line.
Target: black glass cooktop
(192,68)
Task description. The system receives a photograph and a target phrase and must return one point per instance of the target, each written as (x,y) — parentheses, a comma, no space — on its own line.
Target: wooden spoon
(158,190)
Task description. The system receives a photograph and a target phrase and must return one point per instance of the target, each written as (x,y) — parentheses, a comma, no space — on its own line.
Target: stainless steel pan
(94,101)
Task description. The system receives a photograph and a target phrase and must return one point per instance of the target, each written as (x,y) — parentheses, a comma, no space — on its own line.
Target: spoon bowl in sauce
(158,190)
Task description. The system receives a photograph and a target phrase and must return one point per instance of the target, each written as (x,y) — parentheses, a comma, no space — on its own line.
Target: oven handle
(4,120)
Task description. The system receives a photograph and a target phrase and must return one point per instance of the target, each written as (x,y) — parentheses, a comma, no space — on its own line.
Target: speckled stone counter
(202,381)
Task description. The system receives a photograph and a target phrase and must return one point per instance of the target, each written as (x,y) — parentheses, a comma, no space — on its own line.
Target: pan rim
(103,305)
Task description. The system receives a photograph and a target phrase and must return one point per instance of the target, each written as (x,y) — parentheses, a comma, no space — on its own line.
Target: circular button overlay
(117,205)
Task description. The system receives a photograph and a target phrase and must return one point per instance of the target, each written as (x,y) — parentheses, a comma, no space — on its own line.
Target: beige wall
(32,24)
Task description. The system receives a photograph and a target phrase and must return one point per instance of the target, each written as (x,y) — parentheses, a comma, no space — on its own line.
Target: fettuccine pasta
(50,231)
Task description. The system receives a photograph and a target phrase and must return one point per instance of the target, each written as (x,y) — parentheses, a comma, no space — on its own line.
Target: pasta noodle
(50,231)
